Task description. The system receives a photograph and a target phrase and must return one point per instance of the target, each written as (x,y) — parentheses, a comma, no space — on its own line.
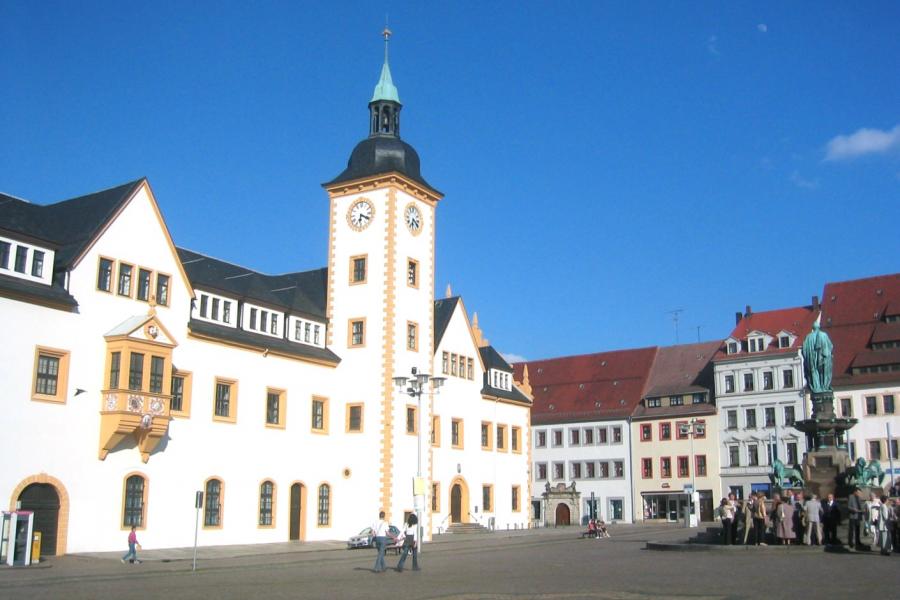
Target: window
(654,402)
(698,398)
(542,471)
(204,305)
(226,311)
(157,365)
(319,417)
(602,435)
(892,450)
(487,498)
(162,290)
(792,453)
(788,416)
(456,433)
(681,430)
(557,437)
(124,286)
(604,470)
(665,466)
(136,372)
(683,467)
(591,469)
(887,402)
(676,400)
(357,269)
(647,468)
(750,414)
(21,258)
(748,382)
(135,499)
(115,366)
(50,374)
(729,384)
(435,497)
(4,254)
(732,347)
(412,273)
(253,313)
(37,264)
(770,416)
(515,498)
(871,405)
(274,412)
(354,418)
(266,504)
(412,421)
(784,341)
(616,435)
(515,439)
(700,466)
(588,437)
(646,432)
(435,431)
(501,438)
(445,363)
(558,471)
(453,370)
(212,511)
(486,436)
(274,329)
(143,285)
(846,408)
(768,380)
(852,449)
(576,470)
(412,336)
(752,455)
(732,419)
(874,450)
(734,456)
(357,333)
(215,309)
(324,508)
(787,378)
(177,403)
(540,439)
(574,437)
(104,275)
(470,363)
(226,401)
(316,335)
(757,344)
(181,394)
(263,320)
(665,431)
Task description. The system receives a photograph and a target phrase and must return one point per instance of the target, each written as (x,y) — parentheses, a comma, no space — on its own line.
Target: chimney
(748,312)
(737,317)
(815,303)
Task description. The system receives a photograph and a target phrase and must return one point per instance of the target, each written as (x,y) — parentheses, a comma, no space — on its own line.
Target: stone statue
(817,360)
(780,472)
(863,473)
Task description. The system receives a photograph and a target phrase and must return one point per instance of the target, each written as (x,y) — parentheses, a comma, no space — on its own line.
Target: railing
(133,401)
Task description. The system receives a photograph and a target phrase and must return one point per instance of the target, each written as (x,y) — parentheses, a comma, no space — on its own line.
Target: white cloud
(513,358)
(712,45)
(802,182)
(762,27)
(861,142)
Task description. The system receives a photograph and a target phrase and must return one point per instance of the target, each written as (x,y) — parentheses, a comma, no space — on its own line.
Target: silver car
(365,539)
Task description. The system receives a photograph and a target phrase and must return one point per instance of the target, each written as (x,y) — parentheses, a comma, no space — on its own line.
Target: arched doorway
(459,501)
(298,512)
(563,515)
(43,499)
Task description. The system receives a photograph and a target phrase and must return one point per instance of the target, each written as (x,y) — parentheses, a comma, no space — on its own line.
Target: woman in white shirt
(409,543)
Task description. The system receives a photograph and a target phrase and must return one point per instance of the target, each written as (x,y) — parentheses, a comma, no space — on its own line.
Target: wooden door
(563,515)
(44,501)
(456,504)
(296,532)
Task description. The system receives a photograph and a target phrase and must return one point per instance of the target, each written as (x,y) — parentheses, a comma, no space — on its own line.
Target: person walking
(884,526)
(759,519)
(784,528)
(813,510)
(874,518)
(831,519)
(410,537)
(380,531)
(855,510)
(133,543)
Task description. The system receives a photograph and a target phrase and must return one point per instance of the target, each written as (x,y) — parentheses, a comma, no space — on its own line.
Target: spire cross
(387,36)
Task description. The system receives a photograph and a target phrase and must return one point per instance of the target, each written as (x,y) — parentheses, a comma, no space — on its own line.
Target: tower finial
(387,33)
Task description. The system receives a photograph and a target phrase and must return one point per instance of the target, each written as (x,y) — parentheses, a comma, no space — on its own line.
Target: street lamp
(695,427)
(417,384)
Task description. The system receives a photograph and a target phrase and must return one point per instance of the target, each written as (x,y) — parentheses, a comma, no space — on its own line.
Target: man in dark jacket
(856,509)
(832,516)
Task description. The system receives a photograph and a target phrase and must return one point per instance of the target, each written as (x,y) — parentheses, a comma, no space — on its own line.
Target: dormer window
(757,344)
(26,262)
(654,402)
(732,346)
(216,309)
(784,341)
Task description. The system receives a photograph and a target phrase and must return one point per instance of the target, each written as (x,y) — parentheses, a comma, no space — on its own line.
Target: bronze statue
(817,360)
(863,473)
(780,472)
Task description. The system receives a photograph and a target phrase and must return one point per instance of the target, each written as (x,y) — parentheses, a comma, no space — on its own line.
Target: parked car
(365,539)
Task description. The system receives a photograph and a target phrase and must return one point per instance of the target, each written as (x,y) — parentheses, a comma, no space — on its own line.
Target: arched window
(324,505)
(133,513)
(266,503)
(212,512)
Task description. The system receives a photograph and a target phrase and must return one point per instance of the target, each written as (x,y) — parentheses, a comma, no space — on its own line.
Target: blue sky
(603,163)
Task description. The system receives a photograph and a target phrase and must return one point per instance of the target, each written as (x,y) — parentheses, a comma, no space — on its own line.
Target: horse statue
(864,473)
(780,471)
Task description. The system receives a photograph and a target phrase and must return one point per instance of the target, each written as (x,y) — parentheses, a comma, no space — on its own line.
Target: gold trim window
(143,284)
(319,415)
(412,336)
(134,502)
(123,285)
(354,418)
(358,269)
(225,401)
(323,516)
(501,438)
(412,420)
(266,504)
(486,436)
(435,431)
(487,498)
(104,274)
(516,506)
(456,433)
(51,374)
(276,409)
(356,333)
(412,273)
(213,503)
(180,405)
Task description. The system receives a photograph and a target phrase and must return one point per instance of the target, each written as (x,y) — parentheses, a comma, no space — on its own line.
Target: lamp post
(695,427)
(417,383)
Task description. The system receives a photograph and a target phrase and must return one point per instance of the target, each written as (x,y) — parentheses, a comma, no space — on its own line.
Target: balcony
(140,416)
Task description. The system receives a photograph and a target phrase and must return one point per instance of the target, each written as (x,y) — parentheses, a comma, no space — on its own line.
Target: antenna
(698,334)
(676,313)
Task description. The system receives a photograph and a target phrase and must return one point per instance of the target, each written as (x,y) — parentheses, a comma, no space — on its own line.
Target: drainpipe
(631,475)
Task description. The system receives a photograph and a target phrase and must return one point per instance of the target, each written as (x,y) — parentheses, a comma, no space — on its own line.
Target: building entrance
(43,499)
(298,504)
(456,504)
(563,514)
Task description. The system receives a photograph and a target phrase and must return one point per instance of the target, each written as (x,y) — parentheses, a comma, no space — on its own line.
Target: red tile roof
(859,300)
(589,387)
(797,320)
(682,369)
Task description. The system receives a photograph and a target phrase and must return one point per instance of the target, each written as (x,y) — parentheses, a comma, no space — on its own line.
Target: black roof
(55,295)
(381,154)
(443,311)
(301,293)
(493,360)
(263,342)
(70,225)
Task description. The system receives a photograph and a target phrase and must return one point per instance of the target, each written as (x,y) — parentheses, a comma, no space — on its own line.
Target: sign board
(688,488)
(418,486)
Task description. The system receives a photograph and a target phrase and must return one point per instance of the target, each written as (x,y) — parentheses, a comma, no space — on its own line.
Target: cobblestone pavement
(552,564)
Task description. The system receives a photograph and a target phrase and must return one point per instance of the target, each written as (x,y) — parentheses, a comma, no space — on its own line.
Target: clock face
(413,218)
(360,214)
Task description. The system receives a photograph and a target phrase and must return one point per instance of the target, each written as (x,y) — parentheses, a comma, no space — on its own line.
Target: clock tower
(381,297)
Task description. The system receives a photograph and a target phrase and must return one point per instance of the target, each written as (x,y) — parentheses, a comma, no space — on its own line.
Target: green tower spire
(385,88)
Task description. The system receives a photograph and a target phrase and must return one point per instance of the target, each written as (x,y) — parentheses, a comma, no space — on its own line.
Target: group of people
(380,532)
(804,519)
(597,529)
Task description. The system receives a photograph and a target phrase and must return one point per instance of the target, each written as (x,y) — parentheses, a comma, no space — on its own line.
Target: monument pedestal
(821,471)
